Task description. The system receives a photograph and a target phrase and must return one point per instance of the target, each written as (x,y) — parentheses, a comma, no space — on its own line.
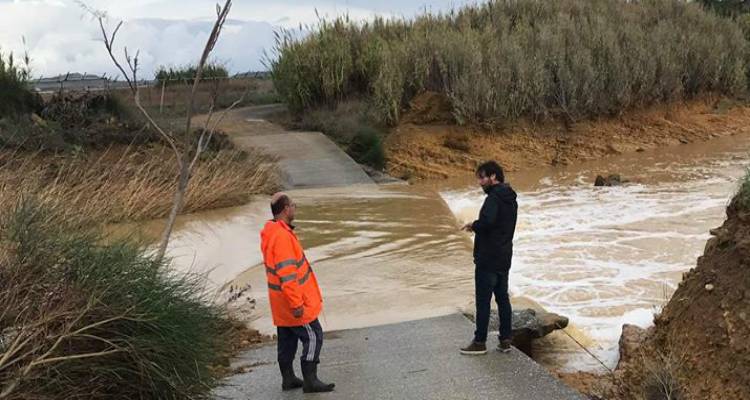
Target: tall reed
(507,59)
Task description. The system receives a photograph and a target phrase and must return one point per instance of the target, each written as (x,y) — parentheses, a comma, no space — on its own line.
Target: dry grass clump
(506,59)
(126,183)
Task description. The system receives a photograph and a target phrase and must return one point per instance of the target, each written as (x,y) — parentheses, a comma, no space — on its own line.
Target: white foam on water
(612,255)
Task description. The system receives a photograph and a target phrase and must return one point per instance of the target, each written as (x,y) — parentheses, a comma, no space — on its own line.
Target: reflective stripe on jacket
(291,280)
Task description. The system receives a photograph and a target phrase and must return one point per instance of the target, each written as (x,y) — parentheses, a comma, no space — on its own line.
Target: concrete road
(411,360)
(306,159)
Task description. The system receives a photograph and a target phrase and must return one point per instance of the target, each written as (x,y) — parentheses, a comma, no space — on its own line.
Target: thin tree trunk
(177,203)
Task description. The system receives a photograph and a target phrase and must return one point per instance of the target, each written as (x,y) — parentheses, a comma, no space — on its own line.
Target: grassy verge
(87,320)
(92,152)
(505,60)
(127,183)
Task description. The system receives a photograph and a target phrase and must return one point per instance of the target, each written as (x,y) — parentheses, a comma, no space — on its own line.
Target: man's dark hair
(278,206)
(490,168)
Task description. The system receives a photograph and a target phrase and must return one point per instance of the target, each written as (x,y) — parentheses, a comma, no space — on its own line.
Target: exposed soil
(428,146)
(241,338)
(699,347)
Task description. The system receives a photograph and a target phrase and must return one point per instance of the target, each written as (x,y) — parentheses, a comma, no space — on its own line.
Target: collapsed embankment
(698,347)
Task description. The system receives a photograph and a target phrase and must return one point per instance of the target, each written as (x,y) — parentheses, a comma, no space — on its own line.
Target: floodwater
(600,256)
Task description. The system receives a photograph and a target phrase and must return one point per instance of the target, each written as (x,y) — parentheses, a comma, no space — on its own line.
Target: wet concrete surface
(308,159)
(410,360)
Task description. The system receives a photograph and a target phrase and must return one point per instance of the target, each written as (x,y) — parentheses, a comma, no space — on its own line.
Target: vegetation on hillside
(509,59)
(88,317)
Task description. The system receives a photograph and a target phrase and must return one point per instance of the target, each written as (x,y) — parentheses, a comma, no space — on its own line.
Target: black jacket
(493,244)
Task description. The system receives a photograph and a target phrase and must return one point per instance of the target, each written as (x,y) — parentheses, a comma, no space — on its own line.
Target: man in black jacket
(493,250)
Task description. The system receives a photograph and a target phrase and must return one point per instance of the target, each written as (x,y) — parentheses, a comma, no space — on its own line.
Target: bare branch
(211,129)
(108,43)
(210,43)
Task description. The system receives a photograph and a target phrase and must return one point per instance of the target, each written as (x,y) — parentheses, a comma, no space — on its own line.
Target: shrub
(97,318)
(87,119)
(366,147)
(186,74)
(15,97)
(508,59)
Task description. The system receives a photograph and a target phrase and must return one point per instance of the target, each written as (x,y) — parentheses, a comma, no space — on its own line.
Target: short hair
(279,204)
(490,168)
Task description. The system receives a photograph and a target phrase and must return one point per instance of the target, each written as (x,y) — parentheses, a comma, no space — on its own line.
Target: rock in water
(529,324)
(611,180)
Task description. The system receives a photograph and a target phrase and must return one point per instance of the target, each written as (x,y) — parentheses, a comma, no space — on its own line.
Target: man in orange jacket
(294,296)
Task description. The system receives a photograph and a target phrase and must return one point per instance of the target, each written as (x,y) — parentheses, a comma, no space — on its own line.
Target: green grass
(186,74)
(512,59)
(96,318)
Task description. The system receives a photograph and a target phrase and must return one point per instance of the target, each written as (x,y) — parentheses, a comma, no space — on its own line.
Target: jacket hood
(268,229)
(503,191)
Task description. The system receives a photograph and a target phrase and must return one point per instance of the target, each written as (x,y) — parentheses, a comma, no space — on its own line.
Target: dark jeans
(311,336)
(488,282)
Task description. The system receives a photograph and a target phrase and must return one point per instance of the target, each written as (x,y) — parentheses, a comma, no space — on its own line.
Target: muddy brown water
(601,256)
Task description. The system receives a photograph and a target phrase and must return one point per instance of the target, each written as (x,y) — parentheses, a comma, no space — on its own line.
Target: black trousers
(311,336)
(487,283)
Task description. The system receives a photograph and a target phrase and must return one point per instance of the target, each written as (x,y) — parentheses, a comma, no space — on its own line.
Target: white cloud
(61,38)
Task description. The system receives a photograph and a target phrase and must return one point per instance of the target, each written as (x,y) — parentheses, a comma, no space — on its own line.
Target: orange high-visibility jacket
(291,281)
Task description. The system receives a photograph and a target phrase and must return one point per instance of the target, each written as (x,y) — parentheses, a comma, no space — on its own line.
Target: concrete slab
(308,159)
(411,360)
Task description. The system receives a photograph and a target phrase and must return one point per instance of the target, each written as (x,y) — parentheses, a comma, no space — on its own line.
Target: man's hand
(297,312)
(467,227)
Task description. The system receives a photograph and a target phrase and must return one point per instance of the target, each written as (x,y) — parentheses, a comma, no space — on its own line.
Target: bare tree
(186,148)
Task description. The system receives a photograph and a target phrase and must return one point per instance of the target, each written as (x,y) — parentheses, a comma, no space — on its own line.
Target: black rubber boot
(311,383)
(288,380)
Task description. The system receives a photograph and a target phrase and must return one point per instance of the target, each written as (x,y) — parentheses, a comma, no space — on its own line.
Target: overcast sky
(61,38)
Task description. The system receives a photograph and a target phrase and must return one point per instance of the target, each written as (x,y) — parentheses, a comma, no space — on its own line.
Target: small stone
(709,287)
(599,181)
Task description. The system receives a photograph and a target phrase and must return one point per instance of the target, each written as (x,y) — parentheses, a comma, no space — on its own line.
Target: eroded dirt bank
(427,145)
(698,347)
